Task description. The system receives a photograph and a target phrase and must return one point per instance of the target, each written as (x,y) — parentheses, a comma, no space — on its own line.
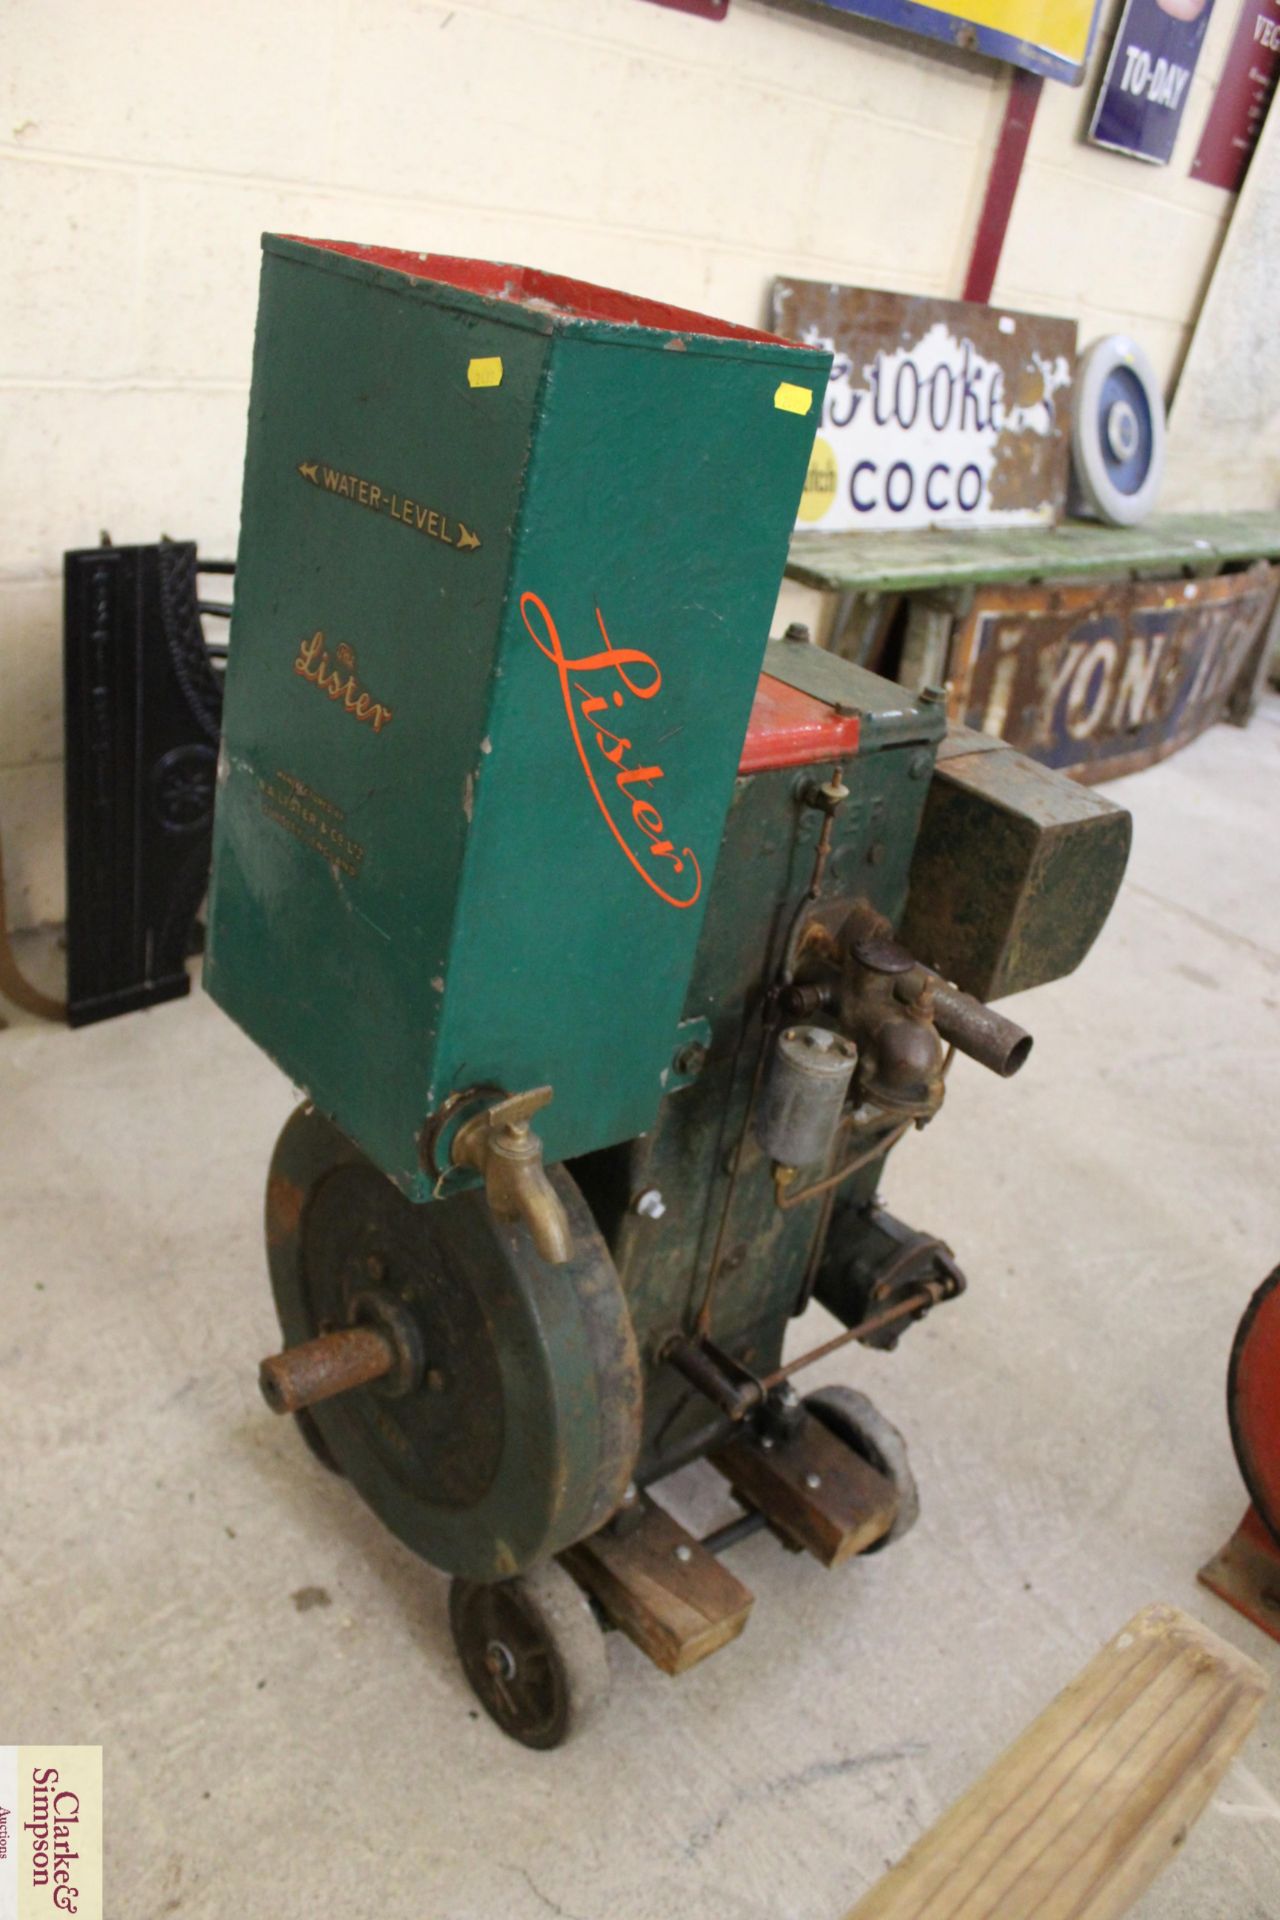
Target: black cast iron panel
(143,703)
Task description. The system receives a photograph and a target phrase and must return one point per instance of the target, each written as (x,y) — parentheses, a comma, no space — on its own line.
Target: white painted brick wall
(1122,246)
(144,148)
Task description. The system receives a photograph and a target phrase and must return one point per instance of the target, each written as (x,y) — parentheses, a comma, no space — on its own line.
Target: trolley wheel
(316,1441)
(860,1424)
(1117,432)
(533,1653)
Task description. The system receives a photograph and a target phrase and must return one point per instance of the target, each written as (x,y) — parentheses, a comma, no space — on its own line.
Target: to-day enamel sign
(936,413)
(1144,90)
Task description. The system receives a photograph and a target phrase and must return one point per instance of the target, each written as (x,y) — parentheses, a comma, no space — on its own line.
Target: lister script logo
(400,507)
(590,689)
(336,676)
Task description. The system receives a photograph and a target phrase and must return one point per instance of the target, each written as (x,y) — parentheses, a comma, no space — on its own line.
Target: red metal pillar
(1002,183)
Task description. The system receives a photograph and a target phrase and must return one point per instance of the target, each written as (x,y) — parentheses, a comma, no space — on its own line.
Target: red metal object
(1242,98)
(1253,1401)
(704,9)
(792,729)
(581,299)
(1002,183)
(1246,1573)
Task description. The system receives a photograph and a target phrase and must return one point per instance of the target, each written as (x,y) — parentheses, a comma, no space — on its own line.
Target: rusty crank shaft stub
(316,1370)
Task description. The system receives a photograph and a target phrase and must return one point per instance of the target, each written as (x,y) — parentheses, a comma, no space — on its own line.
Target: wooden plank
(926,644)
(1078,1817)
(929,557)
(663,1588)
(812,1488)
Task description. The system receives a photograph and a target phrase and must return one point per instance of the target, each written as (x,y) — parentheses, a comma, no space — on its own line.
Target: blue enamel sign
(1148,77)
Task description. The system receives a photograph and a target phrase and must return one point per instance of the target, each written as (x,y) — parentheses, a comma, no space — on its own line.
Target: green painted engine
(614,949)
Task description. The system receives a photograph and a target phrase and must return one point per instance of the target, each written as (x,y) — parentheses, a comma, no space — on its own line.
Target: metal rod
(734,1530)
(316,1370)
(929,1296)
(221,609)
(215,566)
(740,1397)
(821,854)
(818,1246)
(713,1271)
(734,1397)
(880,1145)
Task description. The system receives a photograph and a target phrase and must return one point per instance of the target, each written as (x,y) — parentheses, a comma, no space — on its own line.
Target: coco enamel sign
(937,412)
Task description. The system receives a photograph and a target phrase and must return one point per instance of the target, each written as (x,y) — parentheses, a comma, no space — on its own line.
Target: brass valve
(500,1144)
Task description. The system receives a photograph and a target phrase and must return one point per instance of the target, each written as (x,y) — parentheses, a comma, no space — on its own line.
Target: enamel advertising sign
(1103,679)
(1144,89)
(1051,37)
(1243,96)
(937,412)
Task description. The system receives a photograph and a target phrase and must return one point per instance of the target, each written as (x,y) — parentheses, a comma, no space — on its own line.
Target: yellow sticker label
(792,399)
(819,482)
(485,372)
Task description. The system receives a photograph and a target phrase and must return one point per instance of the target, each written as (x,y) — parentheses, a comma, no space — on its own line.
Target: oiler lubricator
(614,948)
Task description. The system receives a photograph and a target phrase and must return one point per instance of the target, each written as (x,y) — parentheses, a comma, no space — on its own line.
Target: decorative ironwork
(143,713)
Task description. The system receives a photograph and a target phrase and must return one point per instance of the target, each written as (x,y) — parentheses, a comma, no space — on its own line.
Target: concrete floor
(1114,1208)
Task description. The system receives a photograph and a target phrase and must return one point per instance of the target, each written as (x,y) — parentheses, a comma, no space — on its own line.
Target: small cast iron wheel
(861,1425)
(316,1441)
(533,1653)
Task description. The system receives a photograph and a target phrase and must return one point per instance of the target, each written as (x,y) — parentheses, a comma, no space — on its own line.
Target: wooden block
(812,1488)
(1077,1818)
(676,1609)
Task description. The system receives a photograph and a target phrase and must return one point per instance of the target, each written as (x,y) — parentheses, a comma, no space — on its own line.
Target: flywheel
(510,1428)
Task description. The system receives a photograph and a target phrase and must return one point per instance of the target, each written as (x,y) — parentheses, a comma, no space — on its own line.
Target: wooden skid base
(1246,1574)
(812,1489)
(678,1606)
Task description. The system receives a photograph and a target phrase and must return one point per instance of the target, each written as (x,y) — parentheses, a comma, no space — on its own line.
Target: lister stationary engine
(612,966)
